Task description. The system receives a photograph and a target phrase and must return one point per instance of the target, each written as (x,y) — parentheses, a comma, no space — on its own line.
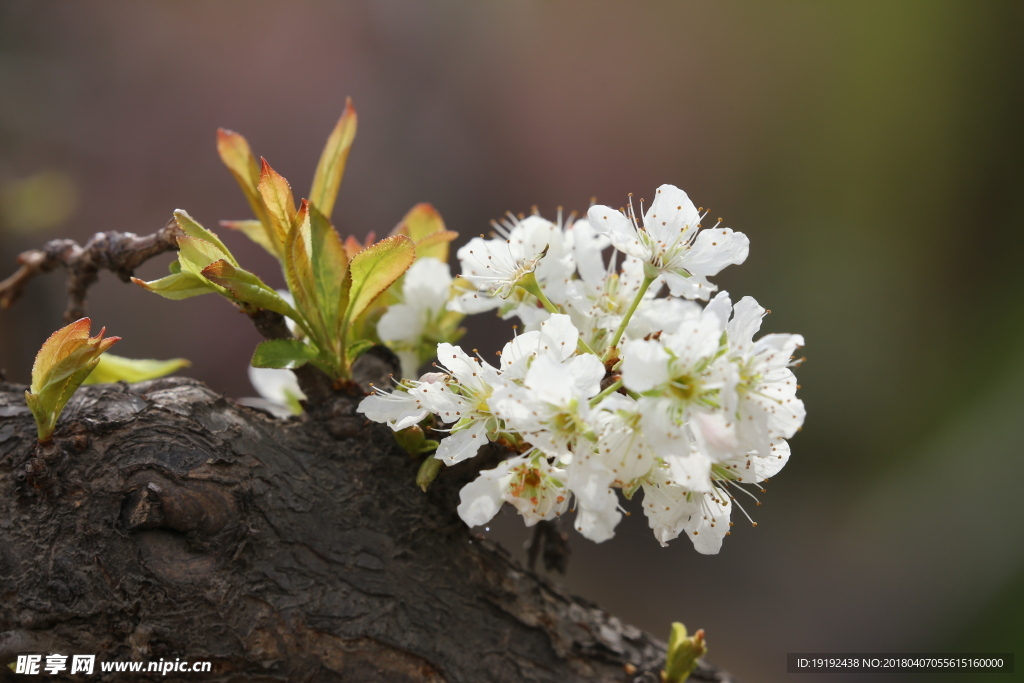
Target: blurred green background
(871,151)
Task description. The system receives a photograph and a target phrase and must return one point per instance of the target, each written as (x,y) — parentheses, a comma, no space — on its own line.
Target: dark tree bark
(167,521)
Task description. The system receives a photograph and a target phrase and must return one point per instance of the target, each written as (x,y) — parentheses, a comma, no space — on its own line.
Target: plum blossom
(615,385)
(405,326)
(669,240)
(280,387)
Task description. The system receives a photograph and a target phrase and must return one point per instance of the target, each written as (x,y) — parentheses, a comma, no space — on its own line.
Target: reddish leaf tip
(426,207)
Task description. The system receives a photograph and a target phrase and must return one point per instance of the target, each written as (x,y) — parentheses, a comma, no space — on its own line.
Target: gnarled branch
(119,252)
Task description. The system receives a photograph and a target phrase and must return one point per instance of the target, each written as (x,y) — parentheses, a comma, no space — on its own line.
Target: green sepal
(411,439)
(428,473)
(630,489)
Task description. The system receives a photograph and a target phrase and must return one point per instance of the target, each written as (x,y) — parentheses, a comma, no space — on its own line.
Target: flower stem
(607,391)
(629,314)
(530,284)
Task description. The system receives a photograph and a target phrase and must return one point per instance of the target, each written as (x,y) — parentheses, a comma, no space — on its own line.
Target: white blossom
(425,293)
(528,483)
(613,385)
(672,509)
(671,242)
(277,386)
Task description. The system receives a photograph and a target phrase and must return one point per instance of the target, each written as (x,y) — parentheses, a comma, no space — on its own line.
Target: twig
(314,384)
(119,252)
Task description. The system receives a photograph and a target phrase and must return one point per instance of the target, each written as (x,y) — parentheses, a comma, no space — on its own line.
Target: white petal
(720,306)
(670,213)
(694,342)
(598,525)
(587,248)
(709,525)
(716,434)
(401,322)
(481,499)
(693,287)
(587,371)
(471,303)
(518,407)
(562,333)
(691,470)
(746,321)
(715,249)
(769,464)
(463,444)
(276,385)
(619,229)
(644,365)
(551,381)
(427,283)
(398,409)
(661,315)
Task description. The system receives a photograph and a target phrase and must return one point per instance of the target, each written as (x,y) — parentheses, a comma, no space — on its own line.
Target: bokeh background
(871,151)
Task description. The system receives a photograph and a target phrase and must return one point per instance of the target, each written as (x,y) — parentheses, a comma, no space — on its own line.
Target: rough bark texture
(167,521)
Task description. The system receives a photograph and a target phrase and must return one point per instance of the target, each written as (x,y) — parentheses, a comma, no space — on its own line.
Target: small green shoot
(683,653)
(61,366)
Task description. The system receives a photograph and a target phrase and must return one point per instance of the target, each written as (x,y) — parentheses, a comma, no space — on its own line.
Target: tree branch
(119,252)
(166,521)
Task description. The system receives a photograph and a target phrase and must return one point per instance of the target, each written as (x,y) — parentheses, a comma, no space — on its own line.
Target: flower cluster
(615,382)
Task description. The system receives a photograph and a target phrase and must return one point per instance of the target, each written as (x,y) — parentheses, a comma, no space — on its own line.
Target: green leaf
(374,269)
(236,154)
(358,348)
(435,245)
(283,353)
(330,266)
(276,195)
(177,286)
(191,228)
(331,167)
(113,368)
(298,271)
(246,288)
(254,230)
(423,225)
(195,254)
